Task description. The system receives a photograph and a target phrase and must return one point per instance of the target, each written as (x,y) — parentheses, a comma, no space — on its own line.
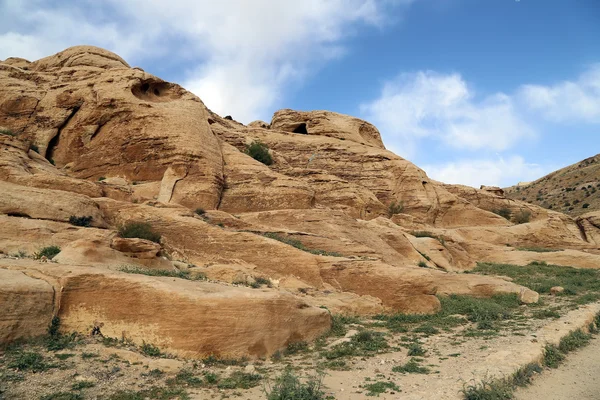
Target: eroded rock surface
(336,220)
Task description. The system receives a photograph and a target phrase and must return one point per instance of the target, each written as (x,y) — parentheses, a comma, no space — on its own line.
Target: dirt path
(578,378)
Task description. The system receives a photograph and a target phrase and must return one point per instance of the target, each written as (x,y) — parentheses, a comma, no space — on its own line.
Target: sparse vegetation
(260,152)
(411,367)
(81,221)
(422,234)
(200,211)
(504,212)
(140,230)
(522,217)
(538,249)
(377,388)
(423,264)
(197,276)
(289,387)
(299,245)
(150,350)
(49,252)
(395,207)
(7,132)
(541,277)
(364,344)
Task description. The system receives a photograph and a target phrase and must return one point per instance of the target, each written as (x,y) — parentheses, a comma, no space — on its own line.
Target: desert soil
(577,378)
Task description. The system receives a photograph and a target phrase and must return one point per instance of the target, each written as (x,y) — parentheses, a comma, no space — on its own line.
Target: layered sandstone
(85,135)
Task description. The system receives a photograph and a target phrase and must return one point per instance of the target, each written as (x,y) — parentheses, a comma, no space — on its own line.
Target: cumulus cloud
(427,104)
(492,172)
(568,101)
(239,55)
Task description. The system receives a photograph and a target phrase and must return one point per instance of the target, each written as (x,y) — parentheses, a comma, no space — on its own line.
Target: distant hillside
(573,190)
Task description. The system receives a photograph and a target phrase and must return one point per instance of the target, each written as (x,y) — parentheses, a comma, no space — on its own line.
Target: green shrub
(102,178)
(586,205)
(416,350)
(34,147)
(422,234)
(7,132)
(289,387)
(395,207)
(552,356)
(49,252)
(423,264)
(488,390)
(295,348)
(259,152)
(573,341)
(29,361)
(150,350)
(164,272)
(411,367)
(81,221)
(200,211)
(62,396)
(240,380)
(82,385)
(377,388)
(140,230)
(522,217)
(504,212)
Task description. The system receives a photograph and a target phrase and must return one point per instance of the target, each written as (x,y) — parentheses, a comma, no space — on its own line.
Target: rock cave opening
(301,129)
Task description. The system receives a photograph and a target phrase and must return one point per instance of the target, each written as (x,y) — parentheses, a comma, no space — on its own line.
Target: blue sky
(473,91)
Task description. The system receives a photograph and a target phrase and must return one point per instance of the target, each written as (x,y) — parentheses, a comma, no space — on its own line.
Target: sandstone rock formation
(336,220)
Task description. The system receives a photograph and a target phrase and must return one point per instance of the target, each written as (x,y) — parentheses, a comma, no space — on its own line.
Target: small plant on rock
(49,252)
(395,207)
(522,217)
(81,221)
(260,152)
(289,387)
(140,230)
(504,212)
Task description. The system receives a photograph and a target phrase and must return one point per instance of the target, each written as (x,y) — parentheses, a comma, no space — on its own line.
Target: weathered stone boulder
(27,305)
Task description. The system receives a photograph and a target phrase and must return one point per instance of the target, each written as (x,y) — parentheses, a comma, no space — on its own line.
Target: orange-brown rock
(190,319)
(27,306)
(133,247)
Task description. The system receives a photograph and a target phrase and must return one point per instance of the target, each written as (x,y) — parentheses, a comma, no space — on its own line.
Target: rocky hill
(128,207)
(573,190)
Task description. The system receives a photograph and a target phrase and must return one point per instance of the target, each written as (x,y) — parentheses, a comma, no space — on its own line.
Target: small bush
(240,380)
(586,205)
(34,147)
(522,217)
(7,132)
(523,375)
(411,367)
(62,396)
(150,350)
(102,178)
(49,252)
(289,387)
(573,341)
(504,212)
(295,348)
(140,230)
(83,385)
(423,264)
(395,207)
(416,350)
(164,272)
(29,361)
(377,388)
(259,152)
(81,221)
(488,390)
(200,211)
(552,356)
(422,234)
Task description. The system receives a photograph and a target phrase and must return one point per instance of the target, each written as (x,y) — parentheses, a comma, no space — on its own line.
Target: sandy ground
(578,378)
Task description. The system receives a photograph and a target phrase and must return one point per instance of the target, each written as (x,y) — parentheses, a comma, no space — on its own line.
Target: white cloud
(240,54)
(492,172)
(443,107)
(567,101)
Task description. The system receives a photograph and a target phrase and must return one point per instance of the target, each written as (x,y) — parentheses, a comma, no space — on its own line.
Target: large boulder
(27,306)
